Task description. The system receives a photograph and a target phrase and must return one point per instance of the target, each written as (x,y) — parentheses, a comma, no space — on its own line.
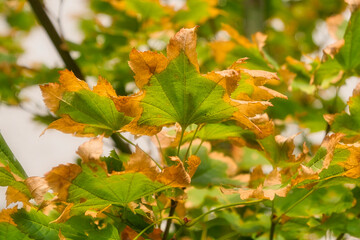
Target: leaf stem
(130,142)
(192,139)
(198,148)
(294,204)
(181,138)
(168,222)
(158,141)
(145,229)
(273,222)
(197,219)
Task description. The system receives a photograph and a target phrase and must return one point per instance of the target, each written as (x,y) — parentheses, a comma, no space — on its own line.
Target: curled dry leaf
(175,176)
(259,39)
(329,144)
(65,215)
(38,186)
(91,151)
(334,48)
(271,186)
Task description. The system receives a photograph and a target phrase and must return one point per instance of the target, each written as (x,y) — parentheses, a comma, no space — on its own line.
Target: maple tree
(216,114)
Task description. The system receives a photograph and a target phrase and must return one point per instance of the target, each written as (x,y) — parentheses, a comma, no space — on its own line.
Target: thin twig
(180,141)
(57,41)
(168,222)
(192,139)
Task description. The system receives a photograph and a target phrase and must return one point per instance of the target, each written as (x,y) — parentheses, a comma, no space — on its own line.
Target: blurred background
(98,35)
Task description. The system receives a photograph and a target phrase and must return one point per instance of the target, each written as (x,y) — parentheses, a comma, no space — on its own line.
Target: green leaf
(7,158)
(329,200)
(349,123)
(349,55)
(180,94)
(97,112)
(98,190)
(7,179)
(327,72)
(210,171)
(9,231)
(36,224)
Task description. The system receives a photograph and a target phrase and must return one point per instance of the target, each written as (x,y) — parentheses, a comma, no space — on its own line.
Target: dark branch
(58,42)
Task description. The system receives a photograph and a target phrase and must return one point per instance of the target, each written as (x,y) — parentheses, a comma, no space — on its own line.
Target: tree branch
(57,41)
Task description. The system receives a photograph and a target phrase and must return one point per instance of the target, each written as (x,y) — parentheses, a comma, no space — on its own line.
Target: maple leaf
(173,91)
(84,112)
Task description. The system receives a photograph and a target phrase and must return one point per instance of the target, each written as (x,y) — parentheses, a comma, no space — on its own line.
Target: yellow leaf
(60,178)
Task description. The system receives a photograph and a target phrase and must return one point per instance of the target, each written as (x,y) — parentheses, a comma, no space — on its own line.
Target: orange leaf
(104,88)
(70,82)
(145,64)
(184,40)
(52,94)
(5,215)
(193,163)
(175,176)
(60,178)
(13,195)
